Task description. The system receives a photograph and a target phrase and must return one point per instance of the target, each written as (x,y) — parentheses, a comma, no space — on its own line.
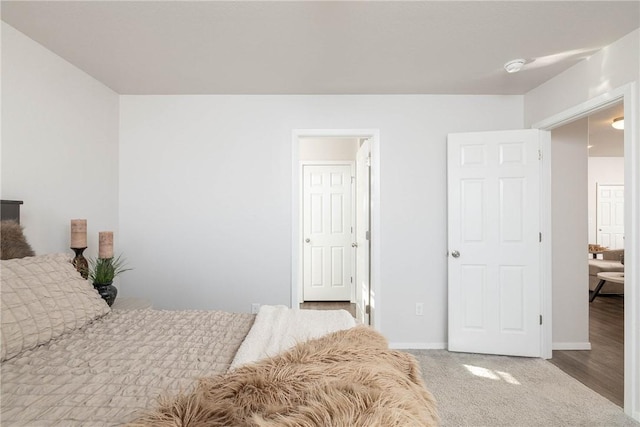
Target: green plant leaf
(104,270)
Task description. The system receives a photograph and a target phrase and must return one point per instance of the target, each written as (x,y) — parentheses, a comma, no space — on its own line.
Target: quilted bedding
(118,365)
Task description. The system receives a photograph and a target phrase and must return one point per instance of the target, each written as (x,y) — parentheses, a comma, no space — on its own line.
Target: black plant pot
(107,291)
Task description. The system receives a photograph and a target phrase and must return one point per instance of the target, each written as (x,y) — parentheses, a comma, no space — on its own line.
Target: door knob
(307,240)
(354,245)
(455,254)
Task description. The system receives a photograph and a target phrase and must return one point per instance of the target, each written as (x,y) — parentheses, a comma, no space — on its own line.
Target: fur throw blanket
(13,244)
(347,378)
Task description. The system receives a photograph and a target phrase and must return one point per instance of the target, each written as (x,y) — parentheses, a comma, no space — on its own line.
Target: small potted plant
(102,271)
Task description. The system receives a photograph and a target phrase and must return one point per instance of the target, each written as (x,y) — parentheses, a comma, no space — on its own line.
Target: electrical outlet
(255,307)
(419,309)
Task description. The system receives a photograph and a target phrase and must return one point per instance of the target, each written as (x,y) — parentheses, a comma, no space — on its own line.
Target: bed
(68,359)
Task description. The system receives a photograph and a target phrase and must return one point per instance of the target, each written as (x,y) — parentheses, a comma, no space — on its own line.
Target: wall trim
(571,346)
(418,345)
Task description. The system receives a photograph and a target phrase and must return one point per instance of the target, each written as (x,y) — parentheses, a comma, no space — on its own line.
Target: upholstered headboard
(10,209)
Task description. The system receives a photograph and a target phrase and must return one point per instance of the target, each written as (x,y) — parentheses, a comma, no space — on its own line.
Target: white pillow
(43,297)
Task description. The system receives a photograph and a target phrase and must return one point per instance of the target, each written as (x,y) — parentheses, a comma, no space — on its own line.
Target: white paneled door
(610,216)
(328,232)
(493,234)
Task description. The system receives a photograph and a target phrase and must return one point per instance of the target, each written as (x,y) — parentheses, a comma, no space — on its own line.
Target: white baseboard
(571,346)
(443,345)
(418,345)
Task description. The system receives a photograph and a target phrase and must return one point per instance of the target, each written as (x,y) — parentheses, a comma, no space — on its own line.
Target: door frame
(628,94)
(363,232)
(352,166)
(296,232)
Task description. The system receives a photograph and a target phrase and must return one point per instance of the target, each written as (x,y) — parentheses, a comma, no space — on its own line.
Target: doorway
(321,215)
(628,94)
(588,342)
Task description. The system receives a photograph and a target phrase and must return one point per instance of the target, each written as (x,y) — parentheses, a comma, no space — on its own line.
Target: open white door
(493,233)
(328,232)
(363,236)
(610,216)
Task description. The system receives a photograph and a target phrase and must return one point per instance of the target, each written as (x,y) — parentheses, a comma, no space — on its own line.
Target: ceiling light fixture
(514,66)
(618,123)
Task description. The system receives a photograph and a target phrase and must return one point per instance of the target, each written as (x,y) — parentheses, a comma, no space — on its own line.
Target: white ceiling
(329,47)
(322,47)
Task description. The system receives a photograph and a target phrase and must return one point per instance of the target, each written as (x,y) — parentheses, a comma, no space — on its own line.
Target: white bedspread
(278,328)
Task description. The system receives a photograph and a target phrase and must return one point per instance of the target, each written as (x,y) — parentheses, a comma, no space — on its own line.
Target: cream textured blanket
(279,328)
(105,373)
(345,379)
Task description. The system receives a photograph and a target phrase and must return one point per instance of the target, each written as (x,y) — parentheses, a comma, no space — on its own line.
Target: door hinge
(369,161)
(353,179)
(539,154)
(367,309)
(367,235)
(351,279)
(540,237)
(541,319)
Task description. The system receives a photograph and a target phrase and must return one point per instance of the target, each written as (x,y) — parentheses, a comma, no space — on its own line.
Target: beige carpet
(481,390)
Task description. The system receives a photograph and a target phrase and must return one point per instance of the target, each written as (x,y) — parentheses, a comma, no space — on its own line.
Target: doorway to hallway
(337,218)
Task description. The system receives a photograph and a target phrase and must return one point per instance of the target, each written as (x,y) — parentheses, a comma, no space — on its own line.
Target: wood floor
(601,368)
(330,305)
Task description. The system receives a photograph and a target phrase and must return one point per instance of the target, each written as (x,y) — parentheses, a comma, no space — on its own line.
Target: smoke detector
(514,65)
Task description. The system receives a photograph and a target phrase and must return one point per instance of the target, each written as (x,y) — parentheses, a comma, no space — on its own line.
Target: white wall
(205,196)
(59,145)
(570,273)
(609,68)
(326,149)
(602,170)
